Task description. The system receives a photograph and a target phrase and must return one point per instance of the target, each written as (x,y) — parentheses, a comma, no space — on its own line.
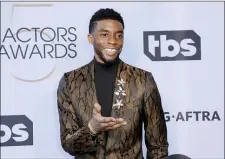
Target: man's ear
(90,39)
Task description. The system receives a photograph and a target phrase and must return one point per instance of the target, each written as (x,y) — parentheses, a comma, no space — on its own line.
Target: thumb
(97,108)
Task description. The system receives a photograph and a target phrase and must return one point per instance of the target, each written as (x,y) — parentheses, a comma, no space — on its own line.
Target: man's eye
(104,34)
(120,36)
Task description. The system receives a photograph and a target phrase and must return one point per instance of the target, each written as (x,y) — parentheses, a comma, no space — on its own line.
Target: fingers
(119,120)
(107,119)
(109,124)
(97,108)
(97,111)
(105,123)
(115,126)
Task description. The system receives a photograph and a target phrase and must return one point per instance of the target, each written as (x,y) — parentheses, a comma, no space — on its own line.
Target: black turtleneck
(105,76)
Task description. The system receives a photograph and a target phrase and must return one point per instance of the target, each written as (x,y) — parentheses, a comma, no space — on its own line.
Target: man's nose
(112,40)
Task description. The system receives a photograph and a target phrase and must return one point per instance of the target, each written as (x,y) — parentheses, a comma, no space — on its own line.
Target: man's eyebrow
(120,31)
(103,30)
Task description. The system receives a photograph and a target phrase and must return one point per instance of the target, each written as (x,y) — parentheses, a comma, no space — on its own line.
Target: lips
(110,51)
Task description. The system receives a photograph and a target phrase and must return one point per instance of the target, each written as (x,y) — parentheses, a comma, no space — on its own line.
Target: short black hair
(103,14)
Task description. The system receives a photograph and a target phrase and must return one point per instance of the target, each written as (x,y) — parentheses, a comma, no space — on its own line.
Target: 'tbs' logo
(172,45)
(16,130)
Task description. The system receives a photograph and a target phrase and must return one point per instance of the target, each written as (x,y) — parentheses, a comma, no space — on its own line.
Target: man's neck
(108,65)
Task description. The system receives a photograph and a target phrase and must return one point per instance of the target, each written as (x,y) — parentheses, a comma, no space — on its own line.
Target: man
(103,104)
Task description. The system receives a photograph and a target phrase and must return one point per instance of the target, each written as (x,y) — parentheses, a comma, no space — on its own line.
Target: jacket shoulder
(69,76)
(78,71)
(134,70)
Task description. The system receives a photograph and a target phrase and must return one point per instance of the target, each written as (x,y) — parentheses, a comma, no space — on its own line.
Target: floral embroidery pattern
(121,82)
(118,103)
(119,93)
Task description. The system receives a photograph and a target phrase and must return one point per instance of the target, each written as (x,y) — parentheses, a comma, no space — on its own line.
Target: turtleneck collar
(106,66)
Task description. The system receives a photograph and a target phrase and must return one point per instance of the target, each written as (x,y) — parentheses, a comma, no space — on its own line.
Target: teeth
(110,49)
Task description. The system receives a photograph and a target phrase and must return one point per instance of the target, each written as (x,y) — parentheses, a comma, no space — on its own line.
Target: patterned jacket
(136,100)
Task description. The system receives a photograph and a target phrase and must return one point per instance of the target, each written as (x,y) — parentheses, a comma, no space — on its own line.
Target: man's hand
(99,123)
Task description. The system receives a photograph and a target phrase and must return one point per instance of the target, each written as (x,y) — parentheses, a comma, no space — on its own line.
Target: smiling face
(107,40)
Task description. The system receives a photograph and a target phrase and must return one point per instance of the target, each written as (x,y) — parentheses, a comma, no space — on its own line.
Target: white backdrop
(185,86)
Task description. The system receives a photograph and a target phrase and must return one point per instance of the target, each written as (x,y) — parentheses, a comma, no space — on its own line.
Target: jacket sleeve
(74,139)
(154,122)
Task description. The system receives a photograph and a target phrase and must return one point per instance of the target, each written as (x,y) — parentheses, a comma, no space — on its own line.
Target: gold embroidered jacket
(136,100)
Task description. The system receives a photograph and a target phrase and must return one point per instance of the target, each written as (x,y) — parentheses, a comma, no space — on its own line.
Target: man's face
(107,40)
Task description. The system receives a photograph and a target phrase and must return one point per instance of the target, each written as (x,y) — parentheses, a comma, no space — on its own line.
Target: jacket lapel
(119,94)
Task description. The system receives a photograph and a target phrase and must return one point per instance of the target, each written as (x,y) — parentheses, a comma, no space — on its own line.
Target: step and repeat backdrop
(182,44)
